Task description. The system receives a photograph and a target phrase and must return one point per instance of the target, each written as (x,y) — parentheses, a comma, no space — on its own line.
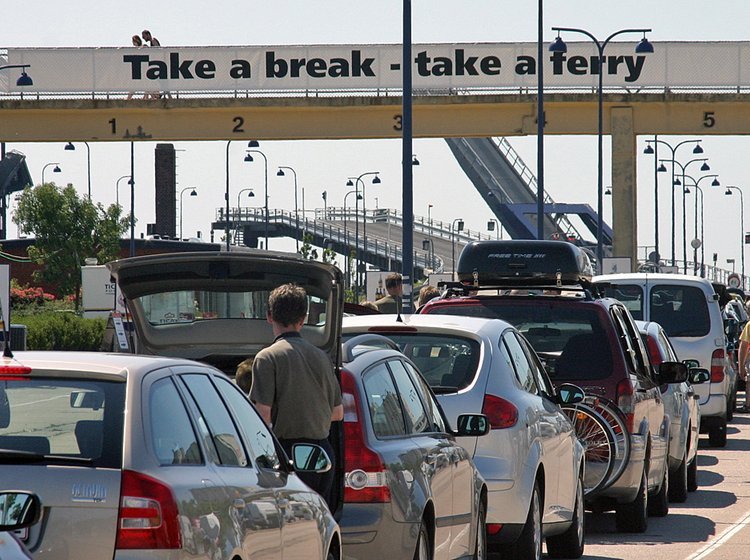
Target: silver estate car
(532,460)
(146,457)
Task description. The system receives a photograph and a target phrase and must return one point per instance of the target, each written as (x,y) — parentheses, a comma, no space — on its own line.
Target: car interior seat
(585,356)
(89,435)
(458,375)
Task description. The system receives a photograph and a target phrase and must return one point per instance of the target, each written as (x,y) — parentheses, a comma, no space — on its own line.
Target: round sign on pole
(733,280)
(695,243)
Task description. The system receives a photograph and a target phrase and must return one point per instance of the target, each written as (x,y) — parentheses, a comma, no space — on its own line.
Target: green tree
(67,230)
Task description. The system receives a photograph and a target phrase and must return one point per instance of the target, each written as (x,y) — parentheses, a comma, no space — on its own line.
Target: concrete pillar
(166,190)
(624,192)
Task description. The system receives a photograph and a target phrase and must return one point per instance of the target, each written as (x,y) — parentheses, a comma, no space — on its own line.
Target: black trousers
(322,483)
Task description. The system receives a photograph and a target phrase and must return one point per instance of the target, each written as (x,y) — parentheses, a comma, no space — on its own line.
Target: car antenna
(7,352)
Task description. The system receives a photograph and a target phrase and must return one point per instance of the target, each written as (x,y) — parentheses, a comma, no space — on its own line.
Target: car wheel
(692,474)
(658,504)
(633,517)
(570,544)
(678,482)
(731,403)
(529,543)
(717,437)
(423,551)
(480,547)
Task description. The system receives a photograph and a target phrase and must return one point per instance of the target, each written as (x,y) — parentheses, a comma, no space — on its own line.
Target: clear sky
(325,165)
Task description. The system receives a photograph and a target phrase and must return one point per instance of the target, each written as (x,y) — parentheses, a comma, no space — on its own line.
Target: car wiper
(17,456)
(443,389)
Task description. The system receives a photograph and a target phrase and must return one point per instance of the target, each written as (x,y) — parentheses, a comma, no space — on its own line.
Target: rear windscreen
(446,361)
(80,421)
(630,296)
(680,310)
(569,339)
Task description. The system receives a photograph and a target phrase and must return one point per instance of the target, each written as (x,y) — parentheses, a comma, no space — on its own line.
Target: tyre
(658,504)
(678,482)
(480,547)
(423,550)
(529,543)
(717,437)
(633,517)
(731,404)
(570,544)
(692,475)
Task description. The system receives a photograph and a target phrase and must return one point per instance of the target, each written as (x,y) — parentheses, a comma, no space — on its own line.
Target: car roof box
(523,263)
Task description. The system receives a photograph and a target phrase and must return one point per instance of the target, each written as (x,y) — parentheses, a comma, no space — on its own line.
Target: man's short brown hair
(287,304)
(393,280)
(426,294)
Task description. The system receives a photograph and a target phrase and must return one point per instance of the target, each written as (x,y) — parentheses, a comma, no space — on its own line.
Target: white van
(687,307)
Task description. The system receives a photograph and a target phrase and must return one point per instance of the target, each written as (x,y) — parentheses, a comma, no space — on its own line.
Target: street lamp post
(677,182)
(429,235)
(456,225)
(742,229)
(71,146)
(117,188)
(251,194)
(248,157)
(280,173)
(24,80)
(346,236)
(697,149)
(696,184)
(56,169)
(193,192)
(559,46)
(350,183)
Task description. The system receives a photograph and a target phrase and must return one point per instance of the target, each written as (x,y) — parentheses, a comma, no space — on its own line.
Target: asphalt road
(714,522)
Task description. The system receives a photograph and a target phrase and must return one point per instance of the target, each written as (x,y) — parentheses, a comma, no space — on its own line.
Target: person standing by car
(742,363)
(392,302)
(294,387)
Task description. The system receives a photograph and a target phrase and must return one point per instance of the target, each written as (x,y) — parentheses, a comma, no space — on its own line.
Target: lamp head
(24,80)
(249,157)
(686,190)
(662,168)
(460,225)
(677,182)
(280,172)
(705,167)
(194,193)
(359,196)
(649,149)
(697,149)
(491,225)
(728,191)
(715,183)
(414,160)
(56,169)
(558,46)
(376,179)
(69,146)
(608,191)
(349,183)
(253,144)
(644,47)
(250,194)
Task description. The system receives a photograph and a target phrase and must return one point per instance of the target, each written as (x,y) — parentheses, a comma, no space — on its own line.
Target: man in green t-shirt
(294,387)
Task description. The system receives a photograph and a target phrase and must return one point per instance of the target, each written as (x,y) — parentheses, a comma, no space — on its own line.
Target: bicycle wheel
(612,414)
(598,441)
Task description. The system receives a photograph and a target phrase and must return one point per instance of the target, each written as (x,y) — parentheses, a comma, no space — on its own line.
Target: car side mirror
(696,376)
(671,372)
(472,425)
(19,510)
(310,458)
(567,393)
(691,363)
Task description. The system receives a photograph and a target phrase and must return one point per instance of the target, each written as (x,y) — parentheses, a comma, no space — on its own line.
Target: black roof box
(523,263)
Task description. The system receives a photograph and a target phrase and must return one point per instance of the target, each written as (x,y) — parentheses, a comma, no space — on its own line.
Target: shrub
(61,331)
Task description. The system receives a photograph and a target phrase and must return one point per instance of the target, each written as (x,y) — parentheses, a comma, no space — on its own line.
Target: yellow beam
(362,117)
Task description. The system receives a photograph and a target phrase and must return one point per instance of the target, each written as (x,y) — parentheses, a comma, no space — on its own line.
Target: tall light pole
(56,169)
(251,194)
(456,225)
(350,183)
(697,149)
(117,188)
(280,173)
(429,235)
(70,146)
(677,183)
(540,123)
(346,234)
(248,157)
(407,171)
(559,46)
(193,192)
(696,184)
(742,228)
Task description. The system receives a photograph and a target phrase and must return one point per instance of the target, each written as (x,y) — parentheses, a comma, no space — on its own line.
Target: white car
(531,460)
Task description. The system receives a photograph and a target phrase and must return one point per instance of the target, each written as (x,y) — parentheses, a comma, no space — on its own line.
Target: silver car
(148,457)
(532,460)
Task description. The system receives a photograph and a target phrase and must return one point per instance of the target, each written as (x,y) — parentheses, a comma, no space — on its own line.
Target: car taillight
(500,413)
(365,478)
(10,369)
(653,350)
(625,402)
(148,516)
(717,366)
(493,528)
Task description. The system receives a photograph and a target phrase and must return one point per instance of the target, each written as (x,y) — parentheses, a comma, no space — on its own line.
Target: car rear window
(680,310)
(447,362)
(630,296)
(63,420)
(570,339)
